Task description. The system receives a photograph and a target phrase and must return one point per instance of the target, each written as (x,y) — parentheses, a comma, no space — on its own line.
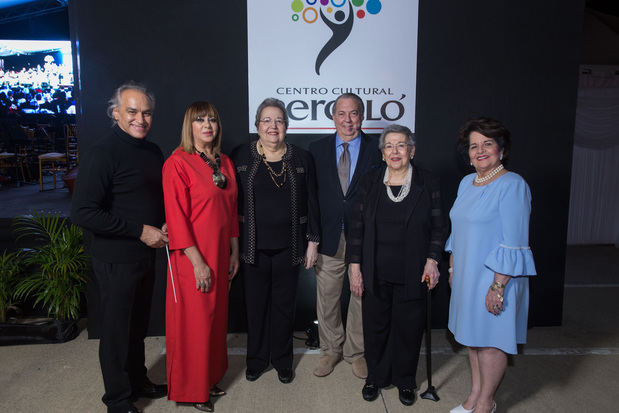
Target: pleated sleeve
(512,256)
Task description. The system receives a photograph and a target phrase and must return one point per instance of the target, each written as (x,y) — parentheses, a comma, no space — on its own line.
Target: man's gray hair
(395,128)
(271,103)
(356,98)
(114,101)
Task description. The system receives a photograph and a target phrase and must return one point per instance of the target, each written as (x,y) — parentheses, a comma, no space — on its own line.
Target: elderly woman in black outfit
(395,242)
(279,218)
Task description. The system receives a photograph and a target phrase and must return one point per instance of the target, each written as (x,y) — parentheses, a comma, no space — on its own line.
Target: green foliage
(58,264)
(10,269)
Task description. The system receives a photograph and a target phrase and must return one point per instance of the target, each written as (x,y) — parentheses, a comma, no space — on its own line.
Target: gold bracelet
(496,286)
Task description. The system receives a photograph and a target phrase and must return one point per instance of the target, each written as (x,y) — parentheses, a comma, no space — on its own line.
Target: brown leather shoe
(205,407)
(216,391)
(326,364)
(360,368)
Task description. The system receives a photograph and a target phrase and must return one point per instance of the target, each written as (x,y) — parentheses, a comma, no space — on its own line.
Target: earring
(412,156)
(471,163)
(501,157)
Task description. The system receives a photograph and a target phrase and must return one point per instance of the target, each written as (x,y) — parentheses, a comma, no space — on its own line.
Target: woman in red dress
(200,193)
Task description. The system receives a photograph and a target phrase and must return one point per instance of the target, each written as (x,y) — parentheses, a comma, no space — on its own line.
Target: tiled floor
(26,198)
(573,368)
(567,369)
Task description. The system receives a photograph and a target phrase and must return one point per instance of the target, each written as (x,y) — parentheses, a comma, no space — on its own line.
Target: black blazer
(424,228)
(304,212)
(336,207)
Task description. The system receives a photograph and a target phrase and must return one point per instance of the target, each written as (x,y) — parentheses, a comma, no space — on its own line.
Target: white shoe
(460,409)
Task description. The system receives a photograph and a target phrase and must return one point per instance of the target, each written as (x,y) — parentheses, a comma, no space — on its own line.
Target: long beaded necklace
(219,179)
(279,179)
(488,177)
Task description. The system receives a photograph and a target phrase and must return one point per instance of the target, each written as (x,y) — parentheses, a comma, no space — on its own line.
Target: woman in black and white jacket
(279,230)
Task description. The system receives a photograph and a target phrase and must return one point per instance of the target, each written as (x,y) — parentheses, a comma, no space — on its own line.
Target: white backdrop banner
(308,52)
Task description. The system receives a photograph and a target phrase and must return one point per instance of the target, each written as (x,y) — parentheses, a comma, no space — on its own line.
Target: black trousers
(125,290)
(270,298)
(392,332)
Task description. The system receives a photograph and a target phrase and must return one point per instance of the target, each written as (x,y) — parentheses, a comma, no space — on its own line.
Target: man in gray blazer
(341,160)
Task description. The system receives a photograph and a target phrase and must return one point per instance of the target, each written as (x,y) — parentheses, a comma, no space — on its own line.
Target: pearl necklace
(404,189)
(488,177)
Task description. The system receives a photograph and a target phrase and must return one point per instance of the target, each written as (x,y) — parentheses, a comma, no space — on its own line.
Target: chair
(28,131)
(55,159)
(10,160)
(70,131)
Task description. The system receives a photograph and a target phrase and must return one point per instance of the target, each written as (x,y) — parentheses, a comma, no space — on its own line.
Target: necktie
(343,168)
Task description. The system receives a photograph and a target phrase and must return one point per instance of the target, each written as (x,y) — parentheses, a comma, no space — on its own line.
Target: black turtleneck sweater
(118,190)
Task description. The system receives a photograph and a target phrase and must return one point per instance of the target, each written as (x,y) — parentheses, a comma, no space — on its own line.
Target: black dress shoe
(285,375)
(407,396)
(253,375)
(133,409)
(150,390)
(370,392)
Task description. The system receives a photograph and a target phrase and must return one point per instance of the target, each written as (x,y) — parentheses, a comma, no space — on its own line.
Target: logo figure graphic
(341,27)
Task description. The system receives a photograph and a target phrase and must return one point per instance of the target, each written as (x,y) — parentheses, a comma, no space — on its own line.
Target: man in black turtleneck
(119,198)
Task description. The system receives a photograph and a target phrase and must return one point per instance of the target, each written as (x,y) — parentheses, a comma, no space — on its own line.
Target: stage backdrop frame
(515,61)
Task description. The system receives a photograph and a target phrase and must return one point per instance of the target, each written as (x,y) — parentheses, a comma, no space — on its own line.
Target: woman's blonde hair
(193,112)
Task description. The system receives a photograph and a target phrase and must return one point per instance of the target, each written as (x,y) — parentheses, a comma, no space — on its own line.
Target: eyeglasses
(268,121)
(399,146)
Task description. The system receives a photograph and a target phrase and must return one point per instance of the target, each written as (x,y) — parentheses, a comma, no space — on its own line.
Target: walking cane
(430,393)
(167,251)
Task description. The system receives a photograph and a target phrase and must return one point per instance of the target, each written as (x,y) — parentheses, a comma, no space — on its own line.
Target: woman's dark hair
(488,127)
(271,103)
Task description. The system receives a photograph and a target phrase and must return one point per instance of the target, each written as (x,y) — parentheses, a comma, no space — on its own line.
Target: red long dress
(201,214)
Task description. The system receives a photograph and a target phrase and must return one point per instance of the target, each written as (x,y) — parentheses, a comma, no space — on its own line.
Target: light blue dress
(490,233)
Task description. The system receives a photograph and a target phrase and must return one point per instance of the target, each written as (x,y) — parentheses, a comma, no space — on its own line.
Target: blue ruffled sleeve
(512,256)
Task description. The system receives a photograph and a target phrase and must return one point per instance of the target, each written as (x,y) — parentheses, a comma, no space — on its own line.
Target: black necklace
(218,177)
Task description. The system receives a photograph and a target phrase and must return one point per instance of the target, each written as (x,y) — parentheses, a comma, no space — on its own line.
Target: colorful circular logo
(300,7)
(337,15)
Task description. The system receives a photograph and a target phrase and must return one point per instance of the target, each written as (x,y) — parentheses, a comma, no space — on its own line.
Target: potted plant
(55,278)
(10,270)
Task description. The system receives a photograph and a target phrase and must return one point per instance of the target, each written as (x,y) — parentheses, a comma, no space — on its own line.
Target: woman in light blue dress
(490,260)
